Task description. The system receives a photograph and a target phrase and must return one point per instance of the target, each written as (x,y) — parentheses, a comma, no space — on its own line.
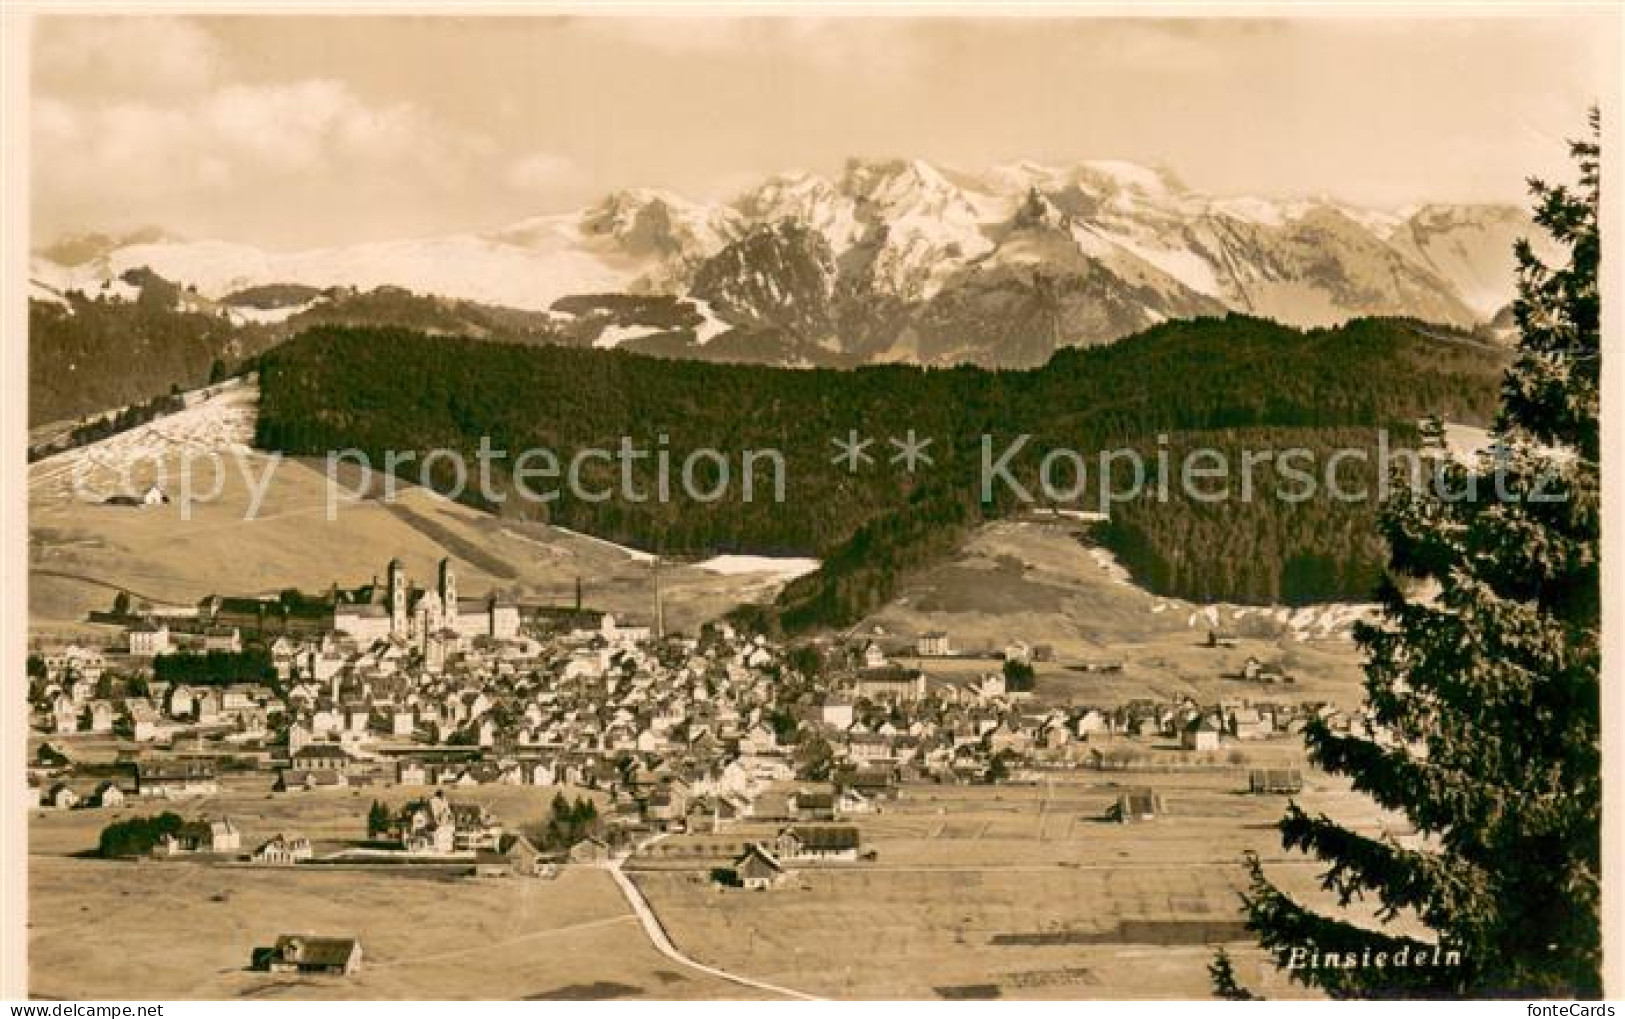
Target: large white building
(399,611)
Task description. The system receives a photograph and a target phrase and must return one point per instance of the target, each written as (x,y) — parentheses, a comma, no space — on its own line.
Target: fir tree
(379,820)
(1223,974)
(1482,679)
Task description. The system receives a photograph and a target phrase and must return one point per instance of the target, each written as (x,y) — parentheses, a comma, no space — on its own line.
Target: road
(662,943)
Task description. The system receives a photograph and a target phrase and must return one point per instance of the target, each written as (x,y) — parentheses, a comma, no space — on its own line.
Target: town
(721,751)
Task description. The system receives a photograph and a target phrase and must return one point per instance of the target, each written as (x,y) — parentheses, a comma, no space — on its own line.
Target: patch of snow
(1093,516)
(785,569)
(266,316)
(712,327)
(613,336)
(1181,263)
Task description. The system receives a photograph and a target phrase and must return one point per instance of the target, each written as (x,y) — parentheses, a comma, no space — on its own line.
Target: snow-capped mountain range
(898,260)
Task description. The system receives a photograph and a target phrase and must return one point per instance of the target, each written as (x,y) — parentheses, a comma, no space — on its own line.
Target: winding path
(662,942)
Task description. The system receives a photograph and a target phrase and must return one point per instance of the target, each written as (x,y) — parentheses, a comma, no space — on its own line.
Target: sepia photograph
(789,503)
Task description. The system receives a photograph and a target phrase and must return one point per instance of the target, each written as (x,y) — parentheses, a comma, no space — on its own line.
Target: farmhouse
(836,842)
(108,794)
(524,859)
(201,837)
(296,953)
(757,868)
(1201,733)
(283,851)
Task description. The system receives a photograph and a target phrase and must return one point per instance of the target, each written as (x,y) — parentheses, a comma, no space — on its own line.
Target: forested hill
(1228,383)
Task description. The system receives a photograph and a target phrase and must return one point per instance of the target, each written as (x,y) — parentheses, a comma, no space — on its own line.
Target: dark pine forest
(1227,384)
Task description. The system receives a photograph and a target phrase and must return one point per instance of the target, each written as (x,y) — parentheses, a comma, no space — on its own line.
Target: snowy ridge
(907,230)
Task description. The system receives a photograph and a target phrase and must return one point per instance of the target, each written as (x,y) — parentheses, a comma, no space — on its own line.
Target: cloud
(542,173)
(128,56)
(238,146)
(856,46)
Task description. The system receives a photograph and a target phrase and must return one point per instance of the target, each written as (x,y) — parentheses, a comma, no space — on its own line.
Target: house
(757,868)
(590,850)
(836,711)
(222,638)
(410,772)
(873,783)
(1136,805)
(108,794)
(283,851)
(814,805)
(1263,672)
(142,720)
(320,757)
(297,953)
(201,836)
(1250,723)
(524,859)
(1200,733)
(147,640)
(852,801)
(174,779)
(891,682)
(838,842)
(933,645)
(1275,780)
(292,779)
(61,797)
(102,716)
(874,657)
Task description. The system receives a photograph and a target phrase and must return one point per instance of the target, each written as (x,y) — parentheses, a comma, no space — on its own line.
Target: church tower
(448,591)
(397,598)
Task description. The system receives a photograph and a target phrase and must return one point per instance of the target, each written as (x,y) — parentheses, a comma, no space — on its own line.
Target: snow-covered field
(220,420)
(783,569)
(1307,622)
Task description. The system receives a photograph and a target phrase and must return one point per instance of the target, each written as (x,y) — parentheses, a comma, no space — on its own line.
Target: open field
(329,818)
(178,930)
(1041,583)
(187,927)
(1012,891)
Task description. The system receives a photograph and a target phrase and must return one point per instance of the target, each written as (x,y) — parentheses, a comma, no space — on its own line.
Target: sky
(301,131)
